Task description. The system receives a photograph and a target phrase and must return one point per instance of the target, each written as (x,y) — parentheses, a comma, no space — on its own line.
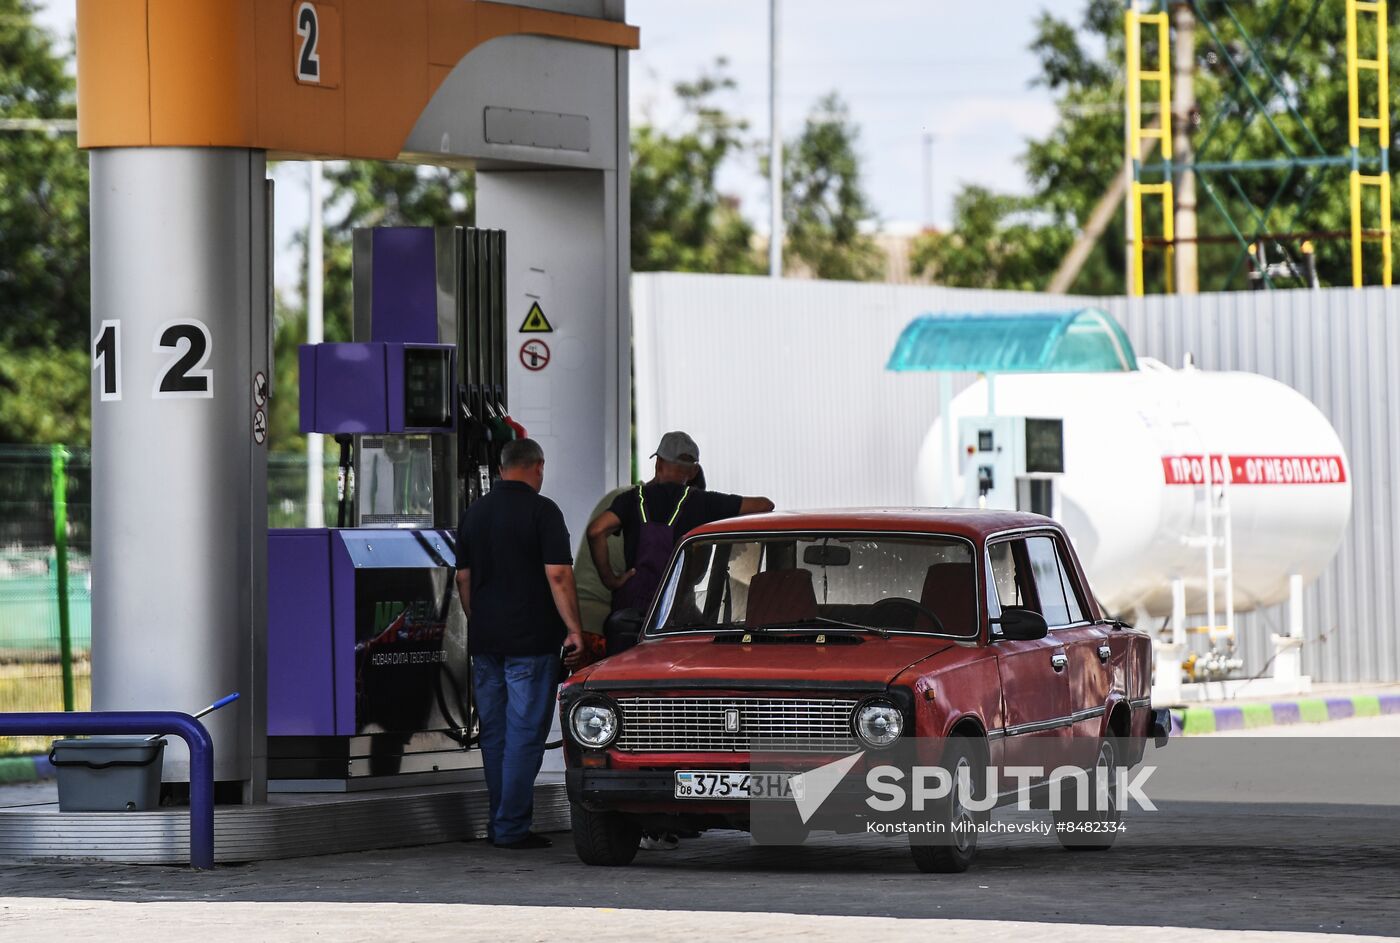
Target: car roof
(973,523)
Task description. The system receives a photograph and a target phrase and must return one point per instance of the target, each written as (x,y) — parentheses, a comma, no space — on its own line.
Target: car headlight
(594,723)
(878,723)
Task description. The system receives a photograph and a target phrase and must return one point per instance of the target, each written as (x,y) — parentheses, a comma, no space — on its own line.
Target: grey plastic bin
(108,774)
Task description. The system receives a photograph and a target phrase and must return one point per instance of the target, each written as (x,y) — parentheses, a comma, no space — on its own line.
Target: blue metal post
(57,724)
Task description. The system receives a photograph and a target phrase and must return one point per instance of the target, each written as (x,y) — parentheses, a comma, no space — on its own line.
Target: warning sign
(259,427)
(534,355)
(535,322)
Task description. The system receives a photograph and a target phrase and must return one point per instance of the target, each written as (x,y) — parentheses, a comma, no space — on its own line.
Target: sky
(906,68)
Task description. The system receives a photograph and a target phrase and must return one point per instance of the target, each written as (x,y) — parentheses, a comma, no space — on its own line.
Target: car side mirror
(1019,624)
(623,627)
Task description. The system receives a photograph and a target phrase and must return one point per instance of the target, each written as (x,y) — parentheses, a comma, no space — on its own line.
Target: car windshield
(835,582)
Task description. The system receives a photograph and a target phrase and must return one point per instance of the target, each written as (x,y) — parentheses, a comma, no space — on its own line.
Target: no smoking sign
(534,354)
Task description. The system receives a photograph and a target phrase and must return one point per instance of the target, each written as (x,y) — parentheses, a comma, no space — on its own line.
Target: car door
(1034,673)
(1090,658)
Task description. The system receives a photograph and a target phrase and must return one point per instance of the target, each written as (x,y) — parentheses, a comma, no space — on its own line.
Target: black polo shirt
(507,538)
(700,507)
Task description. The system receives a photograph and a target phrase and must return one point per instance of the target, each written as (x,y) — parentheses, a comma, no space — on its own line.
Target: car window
(1012,585)
(1076,613)
(900,582)
(1049,583)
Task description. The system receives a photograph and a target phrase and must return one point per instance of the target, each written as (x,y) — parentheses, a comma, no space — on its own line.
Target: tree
(823,202)
(997,241)
(1070,168)
(43,243)
(680,221)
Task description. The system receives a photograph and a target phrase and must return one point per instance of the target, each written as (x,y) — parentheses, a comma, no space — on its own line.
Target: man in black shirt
(654,517)
(516,581)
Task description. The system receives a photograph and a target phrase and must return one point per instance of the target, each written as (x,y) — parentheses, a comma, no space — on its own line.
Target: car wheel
(609,839)
(1092,828)
(954,849)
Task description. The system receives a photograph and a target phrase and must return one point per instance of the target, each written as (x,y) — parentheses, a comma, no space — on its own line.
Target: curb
(1311,710)
(24,769)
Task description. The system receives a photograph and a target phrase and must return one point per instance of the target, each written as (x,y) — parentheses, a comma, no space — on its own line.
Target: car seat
(780,597)
(950,591)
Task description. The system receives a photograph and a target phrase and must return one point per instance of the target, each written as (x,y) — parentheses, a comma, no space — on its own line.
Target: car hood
(704,661)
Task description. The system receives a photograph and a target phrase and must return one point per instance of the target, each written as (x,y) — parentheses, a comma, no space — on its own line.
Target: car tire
(955,852)
(1091,829)
(608,839)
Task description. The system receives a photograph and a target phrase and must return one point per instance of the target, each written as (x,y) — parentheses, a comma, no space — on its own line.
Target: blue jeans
(514,704)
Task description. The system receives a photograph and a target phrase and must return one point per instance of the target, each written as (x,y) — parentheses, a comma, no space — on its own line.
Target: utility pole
(1129,159)
(775,149)
(315,333)
(928,180)
(1183,104)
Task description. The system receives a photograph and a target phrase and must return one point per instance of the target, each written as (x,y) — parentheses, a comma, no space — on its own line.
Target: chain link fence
(45,517)
(45,554)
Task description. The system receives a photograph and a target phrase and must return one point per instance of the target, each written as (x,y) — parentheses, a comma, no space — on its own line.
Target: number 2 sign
(184,374)
(316,44)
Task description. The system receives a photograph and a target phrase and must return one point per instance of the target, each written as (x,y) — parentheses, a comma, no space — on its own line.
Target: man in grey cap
(653,517)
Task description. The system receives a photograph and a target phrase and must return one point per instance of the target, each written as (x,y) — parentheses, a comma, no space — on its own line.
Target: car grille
(684,724)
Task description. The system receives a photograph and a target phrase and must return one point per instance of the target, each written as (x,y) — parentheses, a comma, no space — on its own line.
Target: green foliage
(1301,42)
(823,202)
(284,408)
(680,221)
(43,193)
(44,395)
(997,241)
(43,243)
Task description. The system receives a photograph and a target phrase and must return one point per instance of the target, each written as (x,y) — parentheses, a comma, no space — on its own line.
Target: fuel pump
(368,671)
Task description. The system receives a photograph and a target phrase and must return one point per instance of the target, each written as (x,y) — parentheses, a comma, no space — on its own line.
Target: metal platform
(287,826)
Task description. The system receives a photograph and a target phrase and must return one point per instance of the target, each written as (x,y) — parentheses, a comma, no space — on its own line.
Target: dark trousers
(515,700)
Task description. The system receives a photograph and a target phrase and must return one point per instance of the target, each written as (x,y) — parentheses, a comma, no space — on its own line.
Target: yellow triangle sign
(535,322)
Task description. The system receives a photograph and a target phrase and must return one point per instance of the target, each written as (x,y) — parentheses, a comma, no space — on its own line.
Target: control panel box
(377,388)
(1009,462)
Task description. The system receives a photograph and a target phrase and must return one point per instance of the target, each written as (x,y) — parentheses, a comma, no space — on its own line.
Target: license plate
(728,784)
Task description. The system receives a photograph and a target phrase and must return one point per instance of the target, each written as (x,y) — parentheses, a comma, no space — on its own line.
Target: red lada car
(832,633)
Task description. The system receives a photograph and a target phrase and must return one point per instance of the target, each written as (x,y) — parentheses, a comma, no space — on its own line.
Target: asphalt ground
(1293,869)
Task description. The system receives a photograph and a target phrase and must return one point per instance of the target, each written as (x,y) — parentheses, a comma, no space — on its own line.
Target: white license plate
(728,784)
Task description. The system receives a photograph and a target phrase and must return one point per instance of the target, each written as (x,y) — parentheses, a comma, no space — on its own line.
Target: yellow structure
(1379,65)
(1162,131)
(1373,153)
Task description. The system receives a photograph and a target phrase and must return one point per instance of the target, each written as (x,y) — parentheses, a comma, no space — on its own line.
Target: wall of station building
(783,384)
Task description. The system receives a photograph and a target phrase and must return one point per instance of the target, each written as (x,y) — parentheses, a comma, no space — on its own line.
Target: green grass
(38,687)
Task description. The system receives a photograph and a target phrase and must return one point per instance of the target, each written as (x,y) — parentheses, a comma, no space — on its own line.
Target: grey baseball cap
(677,447)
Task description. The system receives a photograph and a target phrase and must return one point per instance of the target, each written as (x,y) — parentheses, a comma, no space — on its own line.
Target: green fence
(46,574)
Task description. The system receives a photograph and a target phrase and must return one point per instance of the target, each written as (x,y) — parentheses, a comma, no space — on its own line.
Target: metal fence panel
(783,384)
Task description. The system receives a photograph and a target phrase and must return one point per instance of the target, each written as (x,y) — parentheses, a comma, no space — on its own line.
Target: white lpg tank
(1133,495)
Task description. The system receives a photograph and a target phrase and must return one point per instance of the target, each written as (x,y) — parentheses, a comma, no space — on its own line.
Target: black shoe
(523,844)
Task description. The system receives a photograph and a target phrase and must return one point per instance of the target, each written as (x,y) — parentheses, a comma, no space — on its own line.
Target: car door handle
(1058,661)
(1105,652)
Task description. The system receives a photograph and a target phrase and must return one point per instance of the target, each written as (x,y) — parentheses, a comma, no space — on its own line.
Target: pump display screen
(1045,446)
(427,377)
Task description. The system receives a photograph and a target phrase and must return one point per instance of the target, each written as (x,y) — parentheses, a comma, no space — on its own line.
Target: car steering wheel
(916,606)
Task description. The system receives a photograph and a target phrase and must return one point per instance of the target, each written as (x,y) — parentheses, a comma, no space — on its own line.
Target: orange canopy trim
(348,81)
